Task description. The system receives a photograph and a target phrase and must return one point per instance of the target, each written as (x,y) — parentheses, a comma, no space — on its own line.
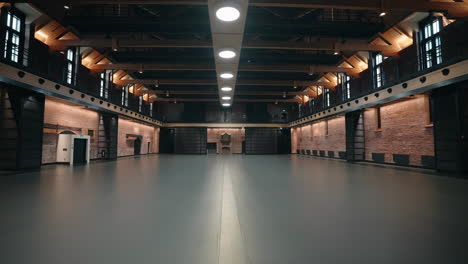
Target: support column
(21,125)
(450,116)
(355,143)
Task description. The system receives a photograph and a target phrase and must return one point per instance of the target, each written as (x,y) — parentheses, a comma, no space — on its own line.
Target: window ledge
(429,125)
(378,130)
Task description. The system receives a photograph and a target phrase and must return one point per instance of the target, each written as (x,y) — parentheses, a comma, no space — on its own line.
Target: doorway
(79,150)
(211,148)
(137,146)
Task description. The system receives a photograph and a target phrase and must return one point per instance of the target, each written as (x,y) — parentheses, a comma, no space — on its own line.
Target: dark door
(166,140)
(79,151)
(211,148)
(137,146)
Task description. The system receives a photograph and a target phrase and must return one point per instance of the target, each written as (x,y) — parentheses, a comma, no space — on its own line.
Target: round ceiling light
(227,75)
(226,89)
(227,54)
(228,13)
(226,98)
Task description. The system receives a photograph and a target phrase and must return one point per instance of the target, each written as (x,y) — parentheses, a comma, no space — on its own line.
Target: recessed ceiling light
(227,75)
(226,89)
(228,13)
(383,13)
(226,105)
(226,98)
(227,54)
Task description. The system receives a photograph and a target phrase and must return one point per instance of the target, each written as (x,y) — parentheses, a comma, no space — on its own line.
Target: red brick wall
(404,130)
(78,120)
(314,136)
(237,136)
(149,134)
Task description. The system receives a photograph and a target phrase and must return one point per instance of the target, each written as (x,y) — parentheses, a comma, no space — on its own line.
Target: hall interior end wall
(237,137)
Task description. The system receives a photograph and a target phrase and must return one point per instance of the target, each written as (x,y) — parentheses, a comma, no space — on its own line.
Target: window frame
(377,70)
(13,35)
(346,87)
(71,66)
(430,42)
(106,78)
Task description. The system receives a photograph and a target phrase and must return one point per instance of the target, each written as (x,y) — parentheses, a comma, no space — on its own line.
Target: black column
(21,128)
(450,116)
(355,148)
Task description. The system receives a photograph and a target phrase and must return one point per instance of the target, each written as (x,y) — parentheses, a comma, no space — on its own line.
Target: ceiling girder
(316,44)
(297,83)
(212,92)
(454,9)
(237,100)
(310,69)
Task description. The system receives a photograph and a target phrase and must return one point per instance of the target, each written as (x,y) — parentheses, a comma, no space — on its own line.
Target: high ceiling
(281,42)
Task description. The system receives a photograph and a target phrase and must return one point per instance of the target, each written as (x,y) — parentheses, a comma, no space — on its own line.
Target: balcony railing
(39,60)
(407,65)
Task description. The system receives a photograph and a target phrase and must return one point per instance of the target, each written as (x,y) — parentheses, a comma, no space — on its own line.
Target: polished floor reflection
(232,209)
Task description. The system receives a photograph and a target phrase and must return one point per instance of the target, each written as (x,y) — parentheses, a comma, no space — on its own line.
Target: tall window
(327,97)
(378,70)
(140,103)
(346,86)
(431,44)
(125,96)
(71,65)
(151,109)
(12,37)
(106,80)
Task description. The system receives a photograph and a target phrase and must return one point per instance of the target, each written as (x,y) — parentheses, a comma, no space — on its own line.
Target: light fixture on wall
(67,6)
(167,93)
(141,69)
(226,75)
(227,54)
(382,14)
(284,94)
(228,13)
(226,89)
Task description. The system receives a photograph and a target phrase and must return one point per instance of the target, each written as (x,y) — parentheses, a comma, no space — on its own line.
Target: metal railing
(52,65)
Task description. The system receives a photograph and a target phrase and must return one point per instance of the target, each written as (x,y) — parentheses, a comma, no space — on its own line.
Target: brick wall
(61,116)
(405,130)
(315,137)
(237,136)
(148,133)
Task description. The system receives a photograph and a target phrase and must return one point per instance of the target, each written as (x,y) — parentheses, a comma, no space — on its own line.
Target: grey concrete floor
(174,209)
